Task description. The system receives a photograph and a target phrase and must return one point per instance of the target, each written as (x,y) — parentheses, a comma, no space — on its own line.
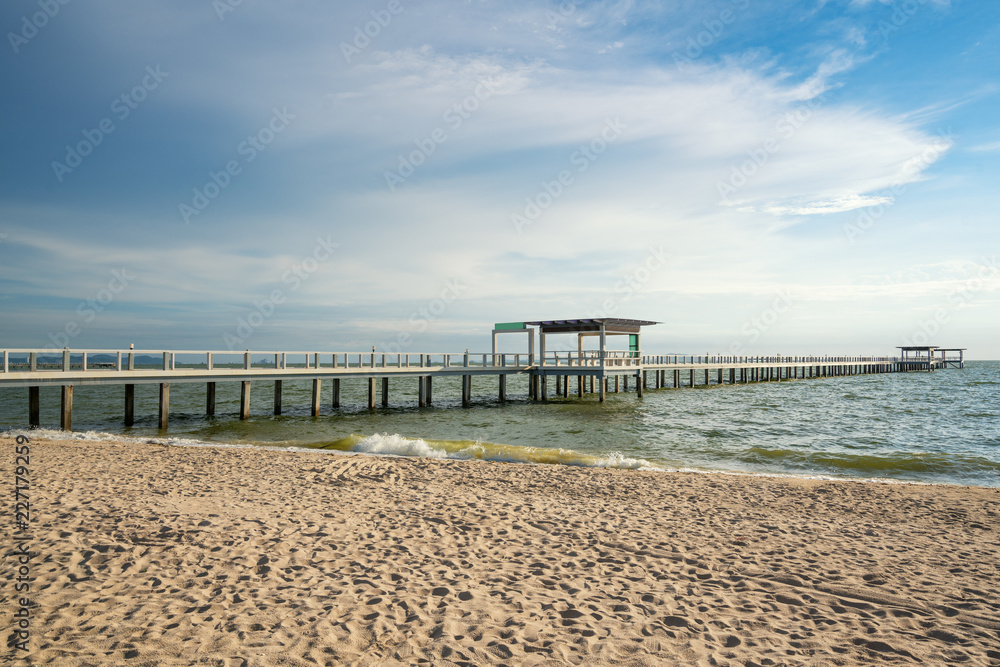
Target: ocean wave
(876,464)
(397,445)
(96,436)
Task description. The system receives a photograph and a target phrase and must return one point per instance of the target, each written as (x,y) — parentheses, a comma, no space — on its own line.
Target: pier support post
(421,391)
(33,408)
(317,392)
(502,389)
(706,378)
(164,414)
(277,396)
(66,412)
(579,386)
(604,383)
(591,384)
(385,392)
(544,387)
(210,399)
(466,390)
(640,384)
(371,393)
(616,384)
(565,386)
(430,390)
(677,379)
(129,405)
(336,393)
(245,399)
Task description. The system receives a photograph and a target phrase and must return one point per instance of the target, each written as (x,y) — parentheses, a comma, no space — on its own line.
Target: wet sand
(147,554)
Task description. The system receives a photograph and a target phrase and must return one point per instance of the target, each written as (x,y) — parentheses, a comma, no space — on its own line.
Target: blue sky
(761,177)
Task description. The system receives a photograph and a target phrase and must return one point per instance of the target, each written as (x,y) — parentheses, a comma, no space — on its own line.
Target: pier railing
(778,360)
(32,360)
(28,359)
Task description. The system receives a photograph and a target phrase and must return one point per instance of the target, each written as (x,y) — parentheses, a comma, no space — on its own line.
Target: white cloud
(991,147)
(837,205)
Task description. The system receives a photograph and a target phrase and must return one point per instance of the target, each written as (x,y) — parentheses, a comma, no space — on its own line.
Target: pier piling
(33,408)
(317,389)
(129,405)
(245,399)
(66,413)
(164,415)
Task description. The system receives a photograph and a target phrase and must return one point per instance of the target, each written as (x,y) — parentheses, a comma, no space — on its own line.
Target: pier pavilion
(598,365)
(930,357)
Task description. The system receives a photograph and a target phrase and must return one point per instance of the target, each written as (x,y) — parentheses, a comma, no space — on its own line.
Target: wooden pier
(549,373)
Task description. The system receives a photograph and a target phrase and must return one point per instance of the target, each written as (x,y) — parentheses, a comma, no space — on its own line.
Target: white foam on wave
(397,445)
(97,436)
(100,436)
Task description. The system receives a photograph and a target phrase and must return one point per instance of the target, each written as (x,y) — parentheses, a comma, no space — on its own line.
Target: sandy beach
(147,554)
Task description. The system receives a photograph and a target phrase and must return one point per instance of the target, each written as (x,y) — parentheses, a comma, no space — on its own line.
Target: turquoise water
(939,427)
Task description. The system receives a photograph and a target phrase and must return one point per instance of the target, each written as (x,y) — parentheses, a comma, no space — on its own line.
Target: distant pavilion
(930,357)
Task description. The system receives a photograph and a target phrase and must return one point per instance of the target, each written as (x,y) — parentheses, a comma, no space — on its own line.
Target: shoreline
(52,435)
(249,556)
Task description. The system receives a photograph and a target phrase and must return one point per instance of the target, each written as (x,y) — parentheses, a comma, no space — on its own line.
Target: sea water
(937,427)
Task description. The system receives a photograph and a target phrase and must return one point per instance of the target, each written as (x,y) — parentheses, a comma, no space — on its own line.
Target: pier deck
(607,370)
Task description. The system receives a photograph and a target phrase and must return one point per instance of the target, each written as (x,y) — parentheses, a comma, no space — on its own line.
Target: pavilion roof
(611,325)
